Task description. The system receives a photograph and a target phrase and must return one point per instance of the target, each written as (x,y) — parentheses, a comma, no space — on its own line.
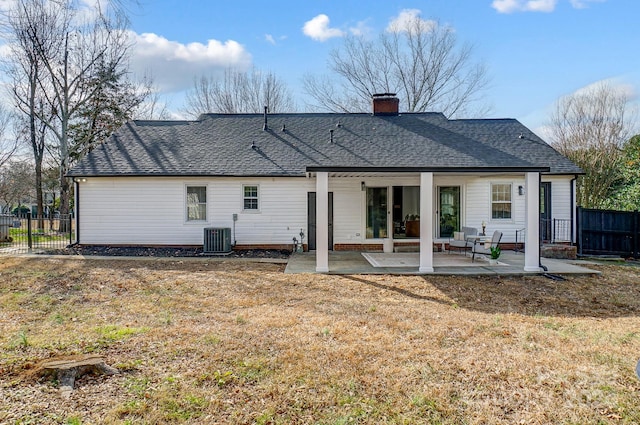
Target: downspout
(77,210)
(572,196)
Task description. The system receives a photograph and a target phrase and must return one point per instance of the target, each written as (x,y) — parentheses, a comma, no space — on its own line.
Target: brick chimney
(385,104)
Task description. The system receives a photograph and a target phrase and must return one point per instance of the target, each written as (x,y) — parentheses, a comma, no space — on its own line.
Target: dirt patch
(241,342)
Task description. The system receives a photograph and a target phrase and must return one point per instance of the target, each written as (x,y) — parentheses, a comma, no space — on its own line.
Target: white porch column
(532,218)
(322,222)
(426,223)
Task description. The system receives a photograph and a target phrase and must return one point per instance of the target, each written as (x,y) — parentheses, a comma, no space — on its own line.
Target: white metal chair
(480,247)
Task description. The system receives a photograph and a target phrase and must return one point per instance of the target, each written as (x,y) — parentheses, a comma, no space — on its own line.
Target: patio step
(559,251)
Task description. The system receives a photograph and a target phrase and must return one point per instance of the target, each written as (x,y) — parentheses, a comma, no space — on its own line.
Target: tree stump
(67,370)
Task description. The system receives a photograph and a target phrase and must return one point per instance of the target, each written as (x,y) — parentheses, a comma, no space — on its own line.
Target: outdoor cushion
(458,236)
(469,231)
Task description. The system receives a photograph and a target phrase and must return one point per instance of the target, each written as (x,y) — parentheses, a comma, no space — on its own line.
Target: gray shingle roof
(237,145)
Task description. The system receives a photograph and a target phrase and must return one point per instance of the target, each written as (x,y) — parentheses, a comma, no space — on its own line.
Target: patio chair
(459,240)
(480,247)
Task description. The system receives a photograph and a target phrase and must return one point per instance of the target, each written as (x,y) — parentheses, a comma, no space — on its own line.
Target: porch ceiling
(369,174)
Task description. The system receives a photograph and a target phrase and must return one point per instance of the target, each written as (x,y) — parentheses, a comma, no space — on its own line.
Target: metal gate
(26,233)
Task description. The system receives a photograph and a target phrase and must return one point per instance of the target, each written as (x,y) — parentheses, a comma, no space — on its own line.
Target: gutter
(428,169)
(77,210)
(572,199)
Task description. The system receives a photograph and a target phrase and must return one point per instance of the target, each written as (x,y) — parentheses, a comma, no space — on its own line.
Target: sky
(535,51)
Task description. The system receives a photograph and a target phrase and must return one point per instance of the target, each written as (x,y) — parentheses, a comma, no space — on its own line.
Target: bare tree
(16,183)
(154,108)
(80,54)
(590,127)
(8,145)
(26,69)
(238,92)
(419,60)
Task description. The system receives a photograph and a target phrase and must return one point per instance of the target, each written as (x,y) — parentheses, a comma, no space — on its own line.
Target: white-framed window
(250,201)
(196,203)
(501,201)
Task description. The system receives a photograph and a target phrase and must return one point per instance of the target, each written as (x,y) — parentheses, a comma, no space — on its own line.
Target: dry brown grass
(240,342)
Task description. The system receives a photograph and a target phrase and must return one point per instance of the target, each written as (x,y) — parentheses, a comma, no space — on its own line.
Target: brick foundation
(559,251)
(358,247)
(287,247)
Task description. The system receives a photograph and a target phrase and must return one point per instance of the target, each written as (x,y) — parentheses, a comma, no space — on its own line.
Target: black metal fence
(607,232)
(27,233)
(556,230)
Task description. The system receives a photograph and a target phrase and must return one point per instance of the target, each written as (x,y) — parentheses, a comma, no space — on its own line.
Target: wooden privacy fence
(606,232)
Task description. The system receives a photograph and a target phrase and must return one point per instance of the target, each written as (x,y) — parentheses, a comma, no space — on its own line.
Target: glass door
(449,210)
(377,213)
(545,211)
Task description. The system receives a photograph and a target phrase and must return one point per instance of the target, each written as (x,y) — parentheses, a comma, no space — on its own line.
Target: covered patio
(348,262)
(427,208)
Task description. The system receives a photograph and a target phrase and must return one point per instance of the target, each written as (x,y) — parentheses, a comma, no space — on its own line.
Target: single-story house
(362,181)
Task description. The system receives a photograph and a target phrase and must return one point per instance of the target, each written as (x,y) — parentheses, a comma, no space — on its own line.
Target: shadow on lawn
(613,294)
(398,290)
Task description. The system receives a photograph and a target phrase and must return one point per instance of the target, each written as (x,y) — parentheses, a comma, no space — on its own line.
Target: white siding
(151,211)
(478,201)
(560,196)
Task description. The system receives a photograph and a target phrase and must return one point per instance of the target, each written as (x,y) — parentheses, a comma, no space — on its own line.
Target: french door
(448,210)
(377,222)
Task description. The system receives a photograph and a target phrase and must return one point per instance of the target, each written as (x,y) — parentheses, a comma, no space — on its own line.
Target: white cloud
(318,29)
(616,85)
(583,4)
(173,65)
(510,6)
(407,18)
(361,29)
(269,38)
(6,5)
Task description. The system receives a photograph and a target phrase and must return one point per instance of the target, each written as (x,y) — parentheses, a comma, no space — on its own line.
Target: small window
(196,203)
(501,201)
(250,198)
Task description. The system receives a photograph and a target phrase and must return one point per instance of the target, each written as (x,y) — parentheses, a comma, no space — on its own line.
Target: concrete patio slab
(344,262)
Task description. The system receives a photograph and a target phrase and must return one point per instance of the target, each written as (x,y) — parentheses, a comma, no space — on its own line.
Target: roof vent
(385,104)
(331,136)
(265,127)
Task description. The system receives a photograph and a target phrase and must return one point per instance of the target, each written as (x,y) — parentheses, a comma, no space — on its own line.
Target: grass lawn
(209,341)
(21,236)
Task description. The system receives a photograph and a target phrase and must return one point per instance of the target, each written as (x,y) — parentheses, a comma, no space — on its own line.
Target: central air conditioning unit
(217,240)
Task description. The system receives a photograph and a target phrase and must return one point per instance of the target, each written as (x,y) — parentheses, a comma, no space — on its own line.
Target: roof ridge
(161,122)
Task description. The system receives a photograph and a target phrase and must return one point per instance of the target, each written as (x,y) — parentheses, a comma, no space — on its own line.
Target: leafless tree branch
(421,62)
(238,92)
(590,127)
